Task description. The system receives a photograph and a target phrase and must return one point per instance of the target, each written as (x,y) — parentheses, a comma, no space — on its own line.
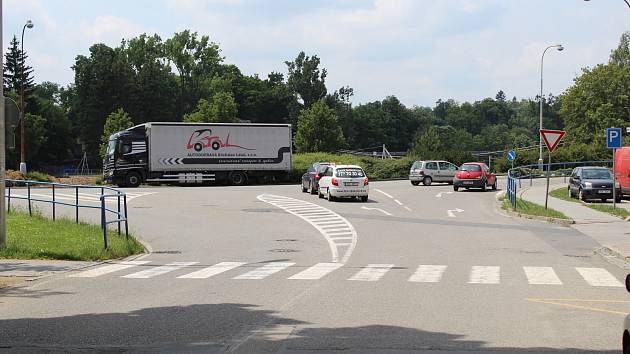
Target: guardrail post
(126,217)
(9,200)
(30,210)
(53,203)
(118,213)
(103,221)
(76,204)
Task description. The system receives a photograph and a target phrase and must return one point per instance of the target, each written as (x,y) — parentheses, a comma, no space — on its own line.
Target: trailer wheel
(237,178)
(133,179)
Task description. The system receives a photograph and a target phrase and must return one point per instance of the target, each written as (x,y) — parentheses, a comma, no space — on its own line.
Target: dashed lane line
(321,220)
(384,193)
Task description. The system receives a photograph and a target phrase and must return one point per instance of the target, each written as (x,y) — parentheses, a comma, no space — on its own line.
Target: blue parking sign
(511,155)
(613,138)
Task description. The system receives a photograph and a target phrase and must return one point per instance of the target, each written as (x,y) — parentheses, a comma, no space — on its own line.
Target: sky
(417,50)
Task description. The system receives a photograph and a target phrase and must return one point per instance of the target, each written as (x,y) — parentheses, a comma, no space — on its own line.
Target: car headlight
(588,184)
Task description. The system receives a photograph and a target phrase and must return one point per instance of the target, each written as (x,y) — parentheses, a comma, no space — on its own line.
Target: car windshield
(596,174)
(350,172)
(471,168)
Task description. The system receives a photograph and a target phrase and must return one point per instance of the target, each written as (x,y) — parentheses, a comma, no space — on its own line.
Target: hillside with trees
(187,78)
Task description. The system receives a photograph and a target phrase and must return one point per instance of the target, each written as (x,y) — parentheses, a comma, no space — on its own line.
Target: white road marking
(407,208)
(317,271)
(212,270)
(451,214)
(398,202)
(598,277)
(107,269)
(373,272)
(152,272)
(377,209)
(318,221)
(384,193)
(439,195)
(542,276)
(485,275)
(428,273)
(265,271)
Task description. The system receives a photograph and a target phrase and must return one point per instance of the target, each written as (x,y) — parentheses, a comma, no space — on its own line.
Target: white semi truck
(163,152)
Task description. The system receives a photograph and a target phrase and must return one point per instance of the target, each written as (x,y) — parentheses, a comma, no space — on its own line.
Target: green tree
(222,109)
(14,63)
(428,144)
(306,79)
(318,129)
(598,99)
(621,55)
(115,122)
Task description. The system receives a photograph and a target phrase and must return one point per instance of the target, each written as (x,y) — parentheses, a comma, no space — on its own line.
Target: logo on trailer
(203,139)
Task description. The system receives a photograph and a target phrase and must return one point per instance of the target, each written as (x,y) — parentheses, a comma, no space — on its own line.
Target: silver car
(428,172)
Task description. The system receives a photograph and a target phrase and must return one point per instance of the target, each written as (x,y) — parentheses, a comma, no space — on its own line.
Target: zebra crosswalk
(424,273)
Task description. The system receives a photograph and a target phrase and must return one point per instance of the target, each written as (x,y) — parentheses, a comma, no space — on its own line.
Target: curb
(613,257)
(564,222)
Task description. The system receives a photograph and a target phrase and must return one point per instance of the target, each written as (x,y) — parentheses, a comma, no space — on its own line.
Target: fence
(106,193)
(516,174)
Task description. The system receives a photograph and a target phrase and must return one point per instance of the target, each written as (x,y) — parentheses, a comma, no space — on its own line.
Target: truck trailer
(194,153)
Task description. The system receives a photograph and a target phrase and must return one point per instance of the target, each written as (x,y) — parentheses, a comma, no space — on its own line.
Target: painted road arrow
(379,209)
(451,214)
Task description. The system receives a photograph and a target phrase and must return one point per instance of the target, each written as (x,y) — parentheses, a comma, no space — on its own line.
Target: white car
(343,181)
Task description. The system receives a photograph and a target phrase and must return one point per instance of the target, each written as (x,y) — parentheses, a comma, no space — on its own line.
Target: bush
(39,176)
(15,175)
(376,168)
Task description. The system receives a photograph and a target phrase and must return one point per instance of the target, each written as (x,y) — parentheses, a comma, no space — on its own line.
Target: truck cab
(125,163)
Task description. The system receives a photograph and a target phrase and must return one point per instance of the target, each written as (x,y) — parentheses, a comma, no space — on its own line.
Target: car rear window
(416,165)
(596,174)
(350,172)
(471,168)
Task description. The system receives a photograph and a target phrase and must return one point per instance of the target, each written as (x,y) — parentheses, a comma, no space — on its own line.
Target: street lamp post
(559,47)
(28,24)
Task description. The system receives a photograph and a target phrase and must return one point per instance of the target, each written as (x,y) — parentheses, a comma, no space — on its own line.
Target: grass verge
(529,208)
(39,238)
(562,193)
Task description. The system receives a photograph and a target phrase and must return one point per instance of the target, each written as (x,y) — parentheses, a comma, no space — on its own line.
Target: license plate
(467,182)
(604,191)
(351,184)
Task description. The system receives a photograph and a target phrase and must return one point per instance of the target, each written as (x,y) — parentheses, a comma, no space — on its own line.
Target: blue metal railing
(106,193)
(516,174)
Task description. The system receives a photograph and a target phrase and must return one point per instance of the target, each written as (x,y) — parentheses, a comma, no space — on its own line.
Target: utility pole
(3,213)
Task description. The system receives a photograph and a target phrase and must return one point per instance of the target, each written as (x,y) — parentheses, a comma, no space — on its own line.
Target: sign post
(613,141)
(552,139)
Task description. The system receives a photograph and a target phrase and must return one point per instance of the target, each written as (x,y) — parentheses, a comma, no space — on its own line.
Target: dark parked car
(310,179)
(474,175)
(591,182)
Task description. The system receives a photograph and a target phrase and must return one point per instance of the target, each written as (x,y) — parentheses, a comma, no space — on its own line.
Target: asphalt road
(268,269)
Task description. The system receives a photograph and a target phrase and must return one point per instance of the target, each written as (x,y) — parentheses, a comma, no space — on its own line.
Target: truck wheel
(198,147)
(237,178)
(133,180)
(215,145)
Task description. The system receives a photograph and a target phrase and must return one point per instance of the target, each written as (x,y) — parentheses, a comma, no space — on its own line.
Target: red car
(474,175)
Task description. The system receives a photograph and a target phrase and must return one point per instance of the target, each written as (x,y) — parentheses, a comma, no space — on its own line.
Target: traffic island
(529,210)
(36,237)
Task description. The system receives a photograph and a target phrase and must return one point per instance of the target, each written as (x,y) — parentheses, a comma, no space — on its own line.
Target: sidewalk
(14,270)
(609,231)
